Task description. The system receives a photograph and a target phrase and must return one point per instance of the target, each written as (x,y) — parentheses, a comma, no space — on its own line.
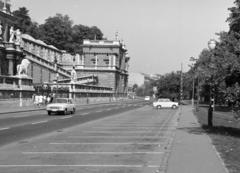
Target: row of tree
(219,69)
(168,86)
(215,71)
(58,30)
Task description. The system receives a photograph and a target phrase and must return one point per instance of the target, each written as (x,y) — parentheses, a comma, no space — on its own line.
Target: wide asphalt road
(18,126)
(117,138)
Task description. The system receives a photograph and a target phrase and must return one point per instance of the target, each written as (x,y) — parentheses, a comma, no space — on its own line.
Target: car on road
(147,98)
(165,103)
(61,105)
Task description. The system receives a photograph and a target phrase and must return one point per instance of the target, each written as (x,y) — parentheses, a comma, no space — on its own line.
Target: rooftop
(102,42)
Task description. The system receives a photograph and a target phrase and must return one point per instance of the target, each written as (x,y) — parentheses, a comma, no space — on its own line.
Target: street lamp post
(57,77)
(211,46)
(193,87)
(198,92)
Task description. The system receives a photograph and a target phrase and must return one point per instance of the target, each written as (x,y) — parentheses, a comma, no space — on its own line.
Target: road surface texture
(122,138)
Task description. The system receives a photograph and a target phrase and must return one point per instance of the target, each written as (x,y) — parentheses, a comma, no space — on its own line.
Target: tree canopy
(58,30)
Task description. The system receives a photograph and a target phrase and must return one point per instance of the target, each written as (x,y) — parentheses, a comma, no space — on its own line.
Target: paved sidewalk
(192,150)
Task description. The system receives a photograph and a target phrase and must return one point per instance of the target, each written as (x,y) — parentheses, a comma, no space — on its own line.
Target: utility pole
(181,84)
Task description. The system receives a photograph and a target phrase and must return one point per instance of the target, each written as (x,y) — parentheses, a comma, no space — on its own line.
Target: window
(93,61)
(106,61)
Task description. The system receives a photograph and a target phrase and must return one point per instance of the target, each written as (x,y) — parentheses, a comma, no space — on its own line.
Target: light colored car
(147,98)
(61,105)
(165,103)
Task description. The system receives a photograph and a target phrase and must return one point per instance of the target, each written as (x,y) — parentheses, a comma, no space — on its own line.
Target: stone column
(20,92)
(10,67)
(109,62)
(96,62)
(114,61)
(83,61)
(6,33)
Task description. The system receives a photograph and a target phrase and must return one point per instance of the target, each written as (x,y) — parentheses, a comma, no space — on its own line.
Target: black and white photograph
(119,86)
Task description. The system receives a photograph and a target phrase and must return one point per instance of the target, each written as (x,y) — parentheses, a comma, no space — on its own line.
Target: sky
(160,35)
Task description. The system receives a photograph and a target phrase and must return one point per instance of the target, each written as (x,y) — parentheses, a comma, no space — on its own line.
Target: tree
(234,17)
(81,32)
(57,31)
(23,19)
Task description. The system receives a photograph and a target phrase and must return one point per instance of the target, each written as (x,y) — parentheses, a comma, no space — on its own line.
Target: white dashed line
(39,122)
(113,137)
(85,113)
(115,166)
(5,128)
(99,143)
(66,117)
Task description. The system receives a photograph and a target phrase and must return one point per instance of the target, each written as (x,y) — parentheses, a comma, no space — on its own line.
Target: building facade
(106,59)
(104,62)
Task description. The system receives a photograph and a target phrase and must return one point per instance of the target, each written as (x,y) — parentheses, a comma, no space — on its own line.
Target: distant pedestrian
(36,100)
(48,99)
(40,100)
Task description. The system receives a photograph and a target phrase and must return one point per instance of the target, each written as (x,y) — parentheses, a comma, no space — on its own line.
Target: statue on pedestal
(73,75)
(12,34)
(18,37)
(23,67)
(1,30)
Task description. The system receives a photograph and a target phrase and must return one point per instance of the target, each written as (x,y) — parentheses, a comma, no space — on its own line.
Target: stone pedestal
(24,84)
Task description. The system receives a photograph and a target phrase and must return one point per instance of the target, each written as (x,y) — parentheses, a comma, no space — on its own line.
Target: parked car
(165,103)
(61,105)
(147,98)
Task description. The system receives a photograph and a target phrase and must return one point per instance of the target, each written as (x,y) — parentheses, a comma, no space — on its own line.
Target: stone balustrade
(16,83)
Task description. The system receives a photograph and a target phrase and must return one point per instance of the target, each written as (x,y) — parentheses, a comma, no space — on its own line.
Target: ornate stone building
(102,63)
(108,60)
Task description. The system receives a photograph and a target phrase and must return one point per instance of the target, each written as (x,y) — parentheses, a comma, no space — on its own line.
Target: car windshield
(60,101)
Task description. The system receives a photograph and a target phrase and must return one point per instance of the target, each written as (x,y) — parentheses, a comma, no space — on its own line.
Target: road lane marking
(66,117)
(135,137)
(93,153)
(98,111)
(115,166)
(5,128)
(39,122)
(85,113)
(99,143)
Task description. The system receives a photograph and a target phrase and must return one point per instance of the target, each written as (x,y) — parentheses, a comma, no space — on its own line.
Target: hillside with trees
(58,30)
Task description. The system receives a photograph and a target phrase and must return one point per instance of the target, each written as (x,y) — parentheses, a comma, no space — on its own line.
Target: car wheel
(174,106)
(159,107)
(49,112)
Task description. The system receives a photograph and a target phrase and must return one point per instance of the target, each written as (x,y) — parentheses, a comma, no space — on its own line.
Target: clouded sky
(159,34)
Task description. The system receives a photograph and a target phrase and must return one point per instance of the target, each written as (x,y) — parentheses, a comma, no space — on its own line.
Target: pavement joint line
(92,153)
(39,122)
(122,132)
(122,166)
(135,137)
(66,117)
(5,128)
(99,143)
